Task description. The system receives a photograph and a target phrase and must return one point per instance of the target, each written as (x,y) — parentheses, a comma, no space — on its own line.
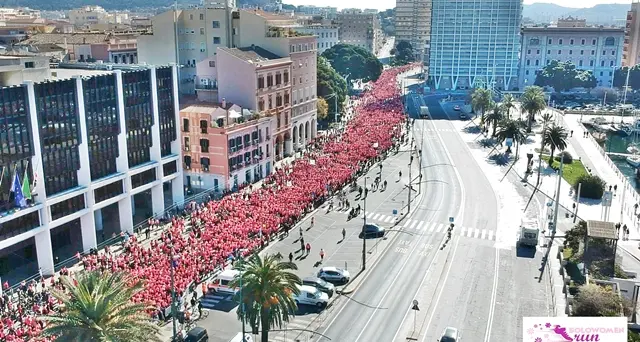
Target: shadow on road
(525,252)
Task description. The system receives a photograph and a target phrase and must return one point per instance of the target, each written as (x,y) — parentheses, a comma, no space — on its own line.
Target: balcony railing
(204,83)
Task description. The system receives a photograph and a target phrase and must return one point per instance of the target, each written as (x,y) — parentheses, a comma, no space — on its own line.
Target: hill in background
(603,14)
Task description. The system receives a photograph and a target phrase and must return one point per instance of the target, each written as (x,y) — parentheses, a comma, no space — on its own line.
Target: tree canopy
(594,301)
(323,108)
(620,77)
(403,54)
(564,76)
(354,61)
(330,82)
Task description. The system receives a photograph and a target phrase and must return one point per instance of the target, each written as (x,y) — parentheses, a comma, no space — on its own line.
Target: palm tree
(494,118)
(556,137)
(98,307)
(532,103)
(481,101)
(513,129)
(546,118)
(266,289)
(508,102)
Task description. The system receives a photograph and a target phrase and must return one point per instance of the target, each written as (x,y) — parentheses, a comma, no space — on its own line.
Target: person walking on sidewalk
(321,255)
(344,234)
(308,248)
(300,232)
(302,244)
(290,257)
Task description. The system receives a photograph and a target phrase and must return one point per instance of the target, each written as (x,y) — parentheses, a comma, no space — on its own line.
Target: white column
(122,162)
(44,252)
(42,240)
(97,215)
(177,184)
(157,195)
(125,210)
(87,222)
(157,199)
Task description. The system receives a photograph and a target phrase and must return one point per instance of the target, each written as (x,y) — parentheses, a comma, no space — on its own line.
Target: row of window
(67,207)
(270,104)
(301,47)
(279,79)
(580,63)
(593,52)
(609,41)
(138,115)
(166,110)
(108,191)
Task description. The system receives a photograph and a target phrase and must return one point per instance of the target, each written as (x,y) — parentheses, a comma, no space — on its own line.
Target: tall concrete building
(474,43)
(360,29)
(631,50)
(413,25)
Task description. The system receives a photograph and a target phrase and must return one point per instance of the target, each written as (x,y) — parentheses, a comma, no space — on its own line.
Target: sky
(386,4)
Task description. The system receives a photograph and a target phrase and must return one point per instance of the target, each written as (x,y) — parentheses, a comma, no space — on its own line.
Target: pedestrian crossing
(434,227)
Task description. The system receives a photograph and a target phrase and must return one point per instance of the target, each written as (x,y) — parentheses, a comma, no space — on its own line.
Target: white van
(310,295)
(222,281)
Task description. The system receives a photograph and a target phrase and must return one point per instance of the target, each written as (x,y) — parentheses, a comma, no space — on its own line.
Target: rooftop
(73,38)
(252,54)
(572,29)
(269,15)
(602,230)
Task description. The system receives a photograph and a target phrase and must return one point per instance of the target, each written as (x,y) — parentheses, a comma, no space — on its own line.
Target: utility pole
(364,236)
(409,186)
(557,204)
(242,310)
(575,213)
(172,263)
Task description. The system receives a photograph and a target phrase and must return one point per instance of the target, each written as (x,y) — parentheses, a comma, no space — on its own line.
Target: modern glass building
(101,152)
(474,43)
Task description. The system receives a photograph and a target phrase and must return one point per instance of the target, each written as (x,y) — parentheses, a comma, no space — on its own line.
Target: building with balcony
(102,151)
(106,47)
(360,29)
(598,49)
(95,15)
(413,25)
(631,49)
(326,35)
(474,43)
(225,146)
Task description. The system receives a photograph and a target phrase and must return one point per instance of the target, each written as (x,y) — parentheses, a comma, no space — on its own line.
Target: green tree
(508,103)
(620,77)
(633,336)
(532,103)
(330,82)
(493,118)
(323,108)
(267,288)
(513,129)
(592,186)
(99,307)
(555,137)
(481,101)
(403,54)
(354,61)
(564,76)
(596,301)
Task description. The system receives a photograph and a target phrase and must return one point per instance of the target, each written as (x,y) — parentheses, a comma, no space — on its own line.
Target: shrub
(595,300)
(566,156)
(592,186)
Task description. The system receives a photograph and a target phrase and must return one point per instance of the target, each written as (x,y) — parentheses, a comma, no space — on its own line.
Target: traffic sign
(415,305)
(395,211)
(508,142)
(607,197)
(450,219)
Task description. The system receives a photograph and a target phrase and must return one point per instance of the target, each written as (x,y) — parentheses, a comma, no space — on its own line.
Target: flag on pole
(26,186)
(16,188)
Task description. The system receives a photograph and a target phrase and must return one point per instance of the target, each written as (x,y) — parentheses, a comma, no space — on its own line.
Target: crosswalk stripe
(477,233)
(376,216)
(491,235)
(380,218)
(388,219)
(432,226)
(406,223)
(484,234)
(419,225)
(461,231)
(439,228)
(469,232)
(413,224)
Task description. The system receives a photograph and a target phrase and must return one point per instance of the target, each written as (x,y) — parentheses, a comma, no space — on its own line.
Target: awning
(234,115)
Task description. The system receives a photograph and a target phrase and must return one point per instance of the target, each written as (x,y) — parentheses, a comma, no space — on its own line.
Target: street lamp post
(409,186)
(335,102)
(173,263)
(364,235)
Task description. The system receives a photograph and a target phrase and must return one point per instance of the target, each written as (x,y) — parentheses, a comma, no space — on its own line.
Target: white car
(450,334)
(334,274)
(310,295)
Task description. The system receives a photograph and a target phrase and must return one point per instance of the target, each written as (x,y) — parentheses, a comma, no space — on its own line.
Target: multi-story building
(92,15)
(326,35)
(102,150)
(598,49)
(110,47)
(360,29)
(325,12)
(413,25)
(18,13)
(631,50)
(473,43)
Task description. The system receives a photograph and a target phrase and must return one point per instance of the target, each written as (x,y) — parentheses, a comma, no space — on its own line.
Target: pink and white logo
(574,329)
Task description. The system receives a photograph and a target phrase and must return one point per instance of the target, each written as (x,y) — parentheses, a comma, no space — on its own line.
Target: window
(215,24)
(29,65)
(278,78)
(261,104)
(204,145)
(260,82)
(601,73)
(203,126)
(534,41)
(548,52)
(601,63)
(185,125)
(613,53)
(204,162)
(571,52)
(269,80)
(212,64)
(528,62)
(560,41)
(201,16)
(550,41)
(187,143)
(286,99)
(537,62)
(593,52)
(286,76)
(559,52)
(593,42)
(278,100)
(216,40)
(190,16)
(270,99)
(582,41)
(571,42)
(580,63)
(526,72)
(591,63)
(538,52)
(581,52)
(529,51)
(202,30)
(610,41)
(611,63)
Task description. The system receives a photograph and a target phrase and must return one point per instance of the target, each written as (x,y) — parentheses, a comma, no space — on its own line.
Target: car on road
(310,295)
(456,108)
(450,334)
(197,334)
(463,116)
(334,275)
(372,230)
(320,284)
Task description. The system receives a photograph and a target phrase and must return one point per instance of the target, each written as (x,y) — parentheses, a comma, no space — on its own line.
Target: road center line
(494,293)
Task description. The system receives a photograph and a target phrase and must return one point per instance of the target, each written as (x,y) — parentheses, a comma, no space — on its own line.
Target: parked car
(197,334)
(450,334)
(320,284)
(309,295)
(372,230)
(463,116)
(334,275)
(456,108)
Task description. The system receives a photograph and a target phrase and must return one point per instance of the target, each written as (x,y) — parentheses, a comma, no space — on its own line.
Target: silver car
(334,275)
(450,334)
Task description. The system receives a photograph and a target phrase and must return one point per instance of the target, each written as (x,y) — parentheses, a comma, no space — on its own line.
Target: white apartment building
(598,49)
(326,35)
(360,29)
(413,25)
(95,15)
(110,161)
(18,13)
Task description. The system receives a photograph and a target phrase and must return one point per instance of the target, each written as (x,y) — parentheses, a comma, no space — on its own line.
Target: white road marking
(432,226)
(376,217)
(484,234)
(413,224)
(388,219)
(494,293)
(406,223)
(491,235)
(469,232)
(439,228)
(477,233)
(461,231)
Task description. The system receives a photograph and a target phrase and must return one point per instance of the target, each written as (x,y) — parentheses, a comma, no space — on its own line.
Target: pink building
(225,145)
